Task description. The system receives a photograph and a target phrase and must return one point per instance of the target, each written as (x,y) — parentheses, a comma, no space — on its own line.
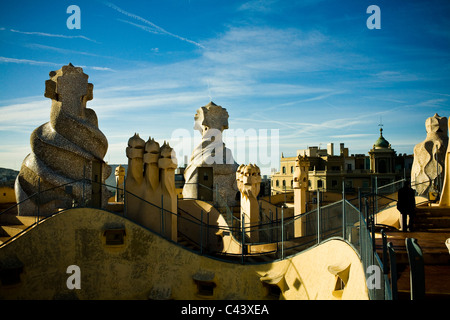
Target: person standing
(406,204)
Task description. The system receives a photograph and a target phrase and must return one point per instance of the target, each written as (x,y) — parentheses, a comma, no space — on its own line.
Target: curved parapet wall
(68,147)
(118,259)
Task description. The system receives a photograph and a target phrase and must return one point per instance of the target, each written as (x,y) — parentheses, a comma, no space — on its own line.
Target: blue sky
(310,69)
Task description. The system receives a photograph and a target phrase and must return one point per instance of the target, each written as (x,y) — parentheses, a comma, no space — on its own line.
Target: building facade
(329,171)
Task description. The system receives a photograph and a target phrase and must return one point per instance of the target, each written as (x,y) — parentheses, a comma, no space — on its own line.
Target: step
(11,230)
(10,218)
(115,207)
(432,211)
(187,244)
(4,239)
(432,222)
(11,207)
(437,281)
(432,245)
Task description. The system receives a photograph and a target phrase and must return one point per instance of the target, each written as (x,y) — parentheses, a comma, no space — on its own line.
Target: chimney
(330,149)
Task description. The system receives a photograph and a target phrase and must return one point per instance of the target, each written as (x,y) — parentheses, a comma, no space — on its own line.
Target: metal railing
(215,199)
(339,220)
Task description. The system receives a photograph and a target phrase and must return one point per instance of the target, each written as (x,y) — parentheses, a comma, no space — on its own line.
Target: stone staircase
(185,242)
(11,225)
(432,219)
(431,229)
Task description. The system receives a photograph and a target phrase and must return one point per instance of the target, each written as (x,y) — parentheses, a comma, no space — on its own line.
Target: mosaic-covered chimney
(65,150)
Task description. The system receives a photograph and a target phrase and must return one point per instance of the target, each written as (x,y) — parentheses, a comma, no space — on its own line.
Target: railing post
(385,266)
(207,231)
(343,209)
(376,196)
(385,258)
(217,195)
(393,269)
(243,237)
(361,230)
(124,198)
(162,215)
(276,219)
(359,199)
(83,201)
(417,271)
(39,200)
(201,231)
(318,216)
(282,231)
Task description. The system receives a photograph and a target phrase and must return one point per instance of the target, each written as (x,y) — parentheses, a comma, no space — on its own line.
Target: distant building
(327,170)
(179,181)
(7,195)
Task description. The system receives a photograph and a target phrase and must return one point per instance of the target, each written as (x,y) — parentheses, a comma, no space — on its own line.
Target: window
(341,281)
(205,288)
(114,237)
(273,291)
(319,184)
(10,271)
(284,183)
(292,169)
(382,166)
(340,284)
(11,276)
(284,170)
(205,283)
(278,183)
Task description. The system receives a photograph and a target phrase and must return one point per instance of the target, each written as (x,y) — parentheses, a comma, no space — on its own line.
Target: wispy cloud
(44,34)
(156,28)
(46,63)
(354,135)
(145,28)
(59,50)
(26,61)
(24,116)
(395,76)
(260,6)
(263,49)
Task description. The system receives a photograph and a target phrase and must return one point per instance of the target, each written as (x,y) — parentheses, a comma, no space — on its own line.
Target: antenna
(381,122)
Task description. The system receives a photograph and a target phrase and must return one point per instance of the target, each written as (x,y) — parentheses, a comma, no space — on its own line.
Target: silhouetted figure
(406,204)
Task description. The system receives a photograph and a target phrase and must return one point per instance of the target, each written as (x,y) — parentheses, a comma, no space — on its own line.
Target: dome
(381,142)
